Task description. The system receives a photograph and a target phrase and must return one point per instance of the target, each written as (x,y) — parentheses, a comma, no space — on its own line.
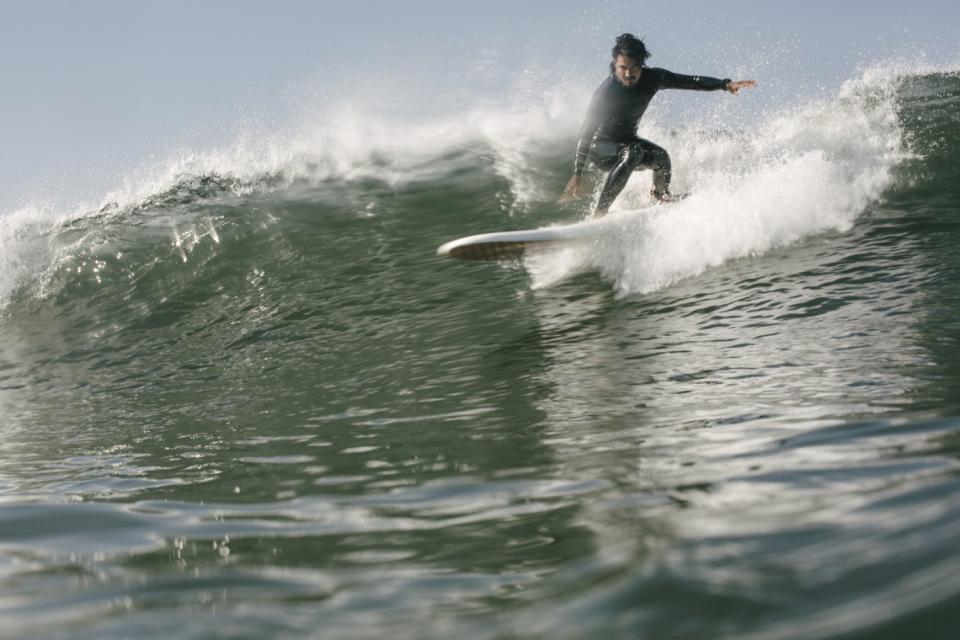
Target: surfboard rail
(513,245)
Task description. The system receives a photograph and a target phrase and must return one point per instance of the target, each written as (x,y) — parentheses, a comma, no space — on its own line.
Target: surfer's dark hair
(632,47)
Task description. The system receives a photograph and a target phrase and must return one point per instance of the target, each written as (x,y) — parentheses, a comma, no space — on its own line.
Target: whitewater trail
(798,173)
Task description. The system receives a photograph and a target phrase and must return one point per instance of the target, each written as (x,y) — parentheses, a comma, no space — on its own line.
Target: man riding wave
(608,136)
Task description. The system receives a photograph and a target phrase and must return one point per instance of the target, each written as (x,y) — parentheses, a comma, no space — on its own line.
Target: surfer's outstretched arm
(734,86)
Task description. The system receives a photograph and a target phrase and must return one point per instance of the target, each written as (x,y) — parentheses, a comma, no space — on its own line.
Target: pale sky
(95,87)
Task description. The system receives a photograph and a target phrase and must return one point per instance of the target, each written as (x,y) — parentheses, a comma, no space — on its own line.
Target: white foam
(794,174)
(798,173)
(344,140)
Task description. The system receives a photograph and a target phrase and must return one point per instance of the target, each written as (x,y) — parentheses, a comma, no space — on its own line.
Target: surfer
(608,136)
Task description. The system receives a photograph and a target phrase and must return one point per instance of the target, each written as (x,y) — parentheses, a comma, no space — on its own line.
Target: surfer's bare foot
(668,197)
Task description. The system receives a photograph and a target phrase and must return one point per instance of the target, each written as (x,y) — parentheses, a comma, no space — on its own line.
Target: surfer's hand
(572,190)
(734,86)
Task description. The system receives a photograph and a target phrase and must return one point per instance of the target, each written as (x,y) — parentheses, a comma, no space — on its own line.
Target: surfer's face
(627,70)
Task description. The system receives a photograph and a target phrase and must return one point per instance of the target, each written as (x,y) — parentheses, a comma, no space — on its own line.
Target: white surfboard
(511,245)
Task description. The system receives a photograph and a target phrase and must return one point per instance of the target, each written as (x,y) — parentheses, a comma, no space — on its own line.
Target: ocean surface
(242,397)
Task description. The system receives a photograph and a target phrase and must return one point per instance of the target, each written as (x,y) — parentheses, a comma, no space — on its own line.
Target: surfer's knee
(658,159)
(635,156)
(646,155)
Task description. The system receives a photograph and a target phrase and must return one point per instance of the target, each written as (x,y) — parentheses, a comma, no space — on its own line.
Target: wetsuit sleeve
(590,125)
(670,80)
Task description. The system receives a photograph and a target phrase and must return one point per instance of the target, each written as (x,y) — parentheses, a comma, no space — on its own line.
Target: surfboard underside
(499,251)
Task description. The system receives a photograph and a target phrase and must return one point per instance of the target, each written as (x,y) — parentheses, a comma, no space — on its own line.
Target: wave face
(263,404)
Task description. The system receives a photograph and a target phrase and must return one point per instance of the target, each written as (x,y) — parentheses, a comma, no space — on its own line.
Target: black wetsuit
(609,132)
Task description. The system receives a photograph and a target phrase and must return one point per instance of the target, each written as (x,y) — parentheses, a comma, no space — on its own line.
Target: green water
(272,411)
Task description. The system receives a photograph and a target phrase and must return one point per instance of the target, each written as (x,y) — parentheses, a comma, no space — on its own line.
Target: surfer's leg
(629,157)
(658,159)
(635,156)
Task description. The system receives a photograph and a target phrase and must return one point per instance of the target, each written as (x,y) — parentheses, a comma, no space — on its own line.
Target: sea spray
(798,173)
